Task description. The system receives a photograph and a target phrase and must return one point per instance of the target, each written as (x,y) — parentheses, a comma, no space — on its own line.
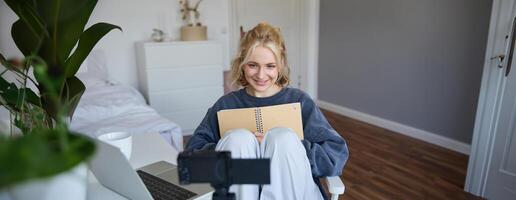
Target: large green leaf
(88,40)
(9,92)
(65,20)
(74,88)
(25,10)
(31,97)
(14,96)
(29,30)
(27,42)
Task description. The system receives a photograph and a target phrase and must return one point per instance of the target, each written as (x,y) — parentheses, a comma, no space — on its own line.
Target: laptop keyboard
(163,190)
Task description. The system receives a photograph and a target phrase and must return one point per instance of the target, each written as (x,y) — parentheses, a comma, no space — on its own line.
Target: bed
(108,106)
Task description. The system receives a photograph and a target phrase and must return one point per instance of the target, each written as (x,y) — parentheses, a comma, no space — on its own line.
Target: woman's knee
(240,142)
(239,137)
(281,135)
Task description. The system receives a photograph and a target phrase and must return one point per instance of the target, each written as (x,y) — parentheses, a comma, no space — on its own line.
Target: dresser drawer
(180,54)
(180,100)
(188,120)
(185,77)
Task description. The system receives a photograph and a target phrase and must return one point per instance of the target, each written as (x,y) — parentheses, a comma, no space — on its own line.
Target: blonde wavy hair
(264,35)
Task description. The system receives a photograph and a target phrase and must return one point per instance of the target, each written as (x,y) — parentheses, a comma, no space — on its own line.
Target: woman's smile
(260,82)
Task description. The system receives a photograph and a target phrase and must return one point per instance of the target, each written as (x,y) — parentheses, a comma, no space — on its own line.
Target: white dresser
(181,80)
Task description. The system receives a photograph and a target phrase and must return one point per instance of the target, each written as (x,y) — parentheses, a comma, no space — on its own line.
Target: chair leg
(335,186)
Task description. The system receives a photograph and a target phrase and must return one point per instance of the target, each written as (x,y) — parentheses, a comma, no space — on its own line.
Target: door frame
(488,107)
(309,58)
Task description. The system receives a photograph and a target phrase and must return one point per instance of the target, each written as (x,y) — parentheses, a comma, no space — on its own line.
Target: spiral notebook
(261,119)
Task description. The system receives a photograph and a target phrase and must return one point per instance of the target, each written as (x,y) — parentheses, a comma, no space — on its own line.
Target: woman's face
(261,72)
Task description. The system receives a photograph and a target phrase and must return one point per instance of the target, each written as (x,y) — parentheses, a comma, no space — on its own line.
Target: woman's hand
(259,136)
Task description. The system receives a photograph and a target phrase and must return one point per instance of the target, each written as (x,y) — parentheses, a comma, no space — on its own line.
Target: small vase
(193,33)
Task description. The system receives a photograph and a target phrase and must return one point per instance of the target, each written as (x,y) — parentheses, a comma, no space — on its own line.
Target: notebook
(262,119)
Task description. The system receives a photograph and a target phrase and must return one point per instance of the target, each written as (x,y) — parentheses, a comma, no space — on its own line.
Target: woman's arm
(205,135)
(326,149)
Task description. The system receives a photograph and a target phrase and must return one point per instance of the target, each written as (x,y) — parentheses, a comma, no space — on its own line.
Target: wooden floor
(388,165)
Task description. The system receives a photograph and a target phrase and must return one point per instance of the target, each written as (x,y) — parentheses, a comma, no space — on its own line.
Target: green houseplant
(51,35)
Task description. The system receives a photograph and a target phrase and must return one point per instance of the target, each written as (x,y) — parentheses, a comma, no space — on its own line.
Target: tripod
(222,193)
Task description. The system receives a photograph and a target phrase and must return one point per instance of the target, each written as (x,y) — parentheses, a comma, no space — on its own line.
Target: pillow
(93,70)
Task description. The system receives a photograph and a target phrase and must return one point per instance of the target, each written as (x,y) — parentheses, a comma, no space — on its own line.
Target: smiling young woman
(262,72)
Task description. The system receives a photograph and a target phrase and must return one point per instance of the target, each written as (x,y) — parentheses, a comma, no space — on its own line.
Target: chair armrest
(335,186)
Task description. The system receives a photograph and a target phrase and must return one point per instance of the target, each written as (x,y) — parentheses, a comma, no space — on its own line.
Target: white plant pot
(70,185)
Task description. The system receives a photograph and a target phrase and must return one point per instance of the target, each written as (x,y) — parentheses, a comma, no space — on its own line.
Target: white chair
(335,187)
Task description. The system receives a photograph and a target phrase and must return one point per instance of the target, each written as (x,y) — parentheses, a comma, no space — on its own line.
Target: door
(501,179)
(284,14)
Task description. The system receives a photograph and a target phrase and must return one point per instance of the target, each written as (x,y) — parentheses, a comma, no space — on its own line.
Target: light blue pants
(291,176)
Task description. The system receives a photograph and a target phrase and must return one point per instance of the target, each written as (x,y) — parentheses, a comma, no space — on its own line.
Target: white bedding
(107,107)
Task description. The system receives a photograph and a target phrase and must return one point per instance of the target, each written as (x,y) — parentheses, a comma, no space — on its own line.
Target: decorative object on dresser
(192,29)
(158,35)
(181,80)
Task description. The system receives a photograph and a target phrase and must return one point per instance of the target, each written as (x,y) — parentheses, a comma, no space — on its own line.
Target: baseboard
(397,127)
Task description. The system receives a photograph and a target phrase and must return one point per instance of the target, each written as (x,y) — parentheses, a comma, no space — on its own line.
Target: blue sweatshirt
(325,148)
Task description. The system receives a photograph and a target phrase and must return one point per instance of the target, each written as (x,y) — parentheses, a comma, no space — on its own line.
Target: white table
(147,149)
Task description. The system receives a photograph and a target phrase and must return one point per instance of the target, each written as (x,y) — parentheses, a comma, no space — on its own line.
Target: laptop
(157,181)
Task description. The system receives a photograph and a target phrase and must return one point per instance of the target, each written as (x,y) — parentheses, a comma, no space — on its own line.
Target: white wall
(137,19)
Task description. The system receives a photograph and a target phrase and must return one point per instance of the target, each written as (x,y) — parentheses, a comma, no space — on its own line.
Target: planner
(262,119)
